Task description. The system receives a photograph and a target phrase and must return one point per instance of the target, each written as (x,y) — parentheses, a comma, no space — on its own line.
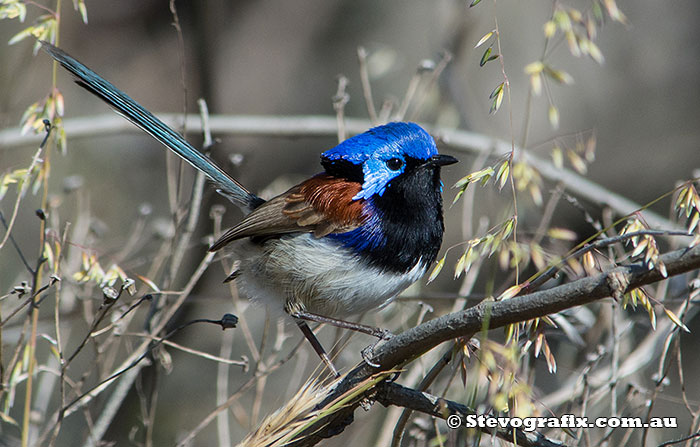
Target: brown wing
(320,205)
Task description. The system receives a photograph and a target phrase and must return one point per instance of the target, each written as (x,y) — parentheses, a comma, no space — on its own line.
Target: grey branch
(414,342)
(327,126)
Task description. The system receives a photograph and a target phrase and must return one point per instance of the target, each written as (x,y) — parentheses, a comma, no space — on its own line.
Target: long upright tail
(145,120)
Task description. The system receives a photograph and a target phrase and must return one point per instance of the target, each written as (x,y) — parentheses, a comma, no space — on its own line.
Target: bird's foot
(367,355)
(368,352)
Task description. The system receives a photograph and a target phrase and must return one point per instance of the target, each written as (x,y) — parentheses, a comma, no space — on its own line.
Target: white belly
(323,277)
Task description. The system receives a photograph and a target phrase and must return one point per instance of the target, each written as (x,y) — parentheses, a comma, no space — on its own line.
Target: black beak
(441,160)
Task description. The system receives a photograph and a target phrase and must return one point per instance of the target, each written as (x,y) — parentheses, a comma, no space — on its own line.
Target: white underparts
(318,274)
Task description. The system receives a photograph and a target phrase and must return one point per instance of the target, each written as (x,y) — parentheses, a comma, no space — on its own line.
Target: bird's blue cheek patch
(377,177)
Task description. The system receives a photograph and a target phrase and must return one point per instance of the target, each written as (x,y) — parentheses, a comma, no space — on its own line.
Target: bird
(345,241)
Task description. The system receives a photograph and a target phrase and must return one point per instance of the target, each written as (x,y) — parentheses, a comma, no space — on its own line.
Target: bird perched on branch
(343,242)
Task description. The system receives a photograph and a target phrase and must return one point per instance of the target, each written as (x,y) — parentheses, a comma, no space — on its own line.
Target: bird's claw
(367,354)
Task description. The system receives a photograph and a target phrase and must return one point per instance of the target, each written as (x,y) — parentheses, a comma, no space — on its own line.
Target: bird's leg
(309,334)
(381,334)
(368,352)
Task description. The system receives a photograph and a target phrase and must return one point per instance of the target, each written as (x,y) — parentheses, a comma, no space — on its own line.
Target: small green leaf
(561,18)
(508,228)
(12,10)
(558,157)
(457,196)
(6,418)
(474,3)
(536,194)
(560,76)
(496,91)
(680,200)
(652,317)
(595,53)
(3,188)
(536,84)
(553,115)
(486,56)
(576,15)
(492,57)
(534,68)
(549,29)
(577,162)
(591,28)
(436,271)
(496,104)
(510,292)
(474,177)
(589,151)
(79,5)
(48,255)
(677,321)
(597,12)
(486,37)
(502,175)
(22,35)
(614,12)
(562,234)
(459,268)
(62,140)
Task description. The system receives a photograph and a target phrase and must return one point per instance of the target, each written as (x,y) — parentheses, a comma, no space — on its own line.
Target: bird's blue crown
(382,152)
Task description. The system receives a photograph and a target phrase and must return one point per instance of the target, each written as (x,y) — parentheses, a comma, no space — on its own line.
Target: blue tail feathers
(142,118)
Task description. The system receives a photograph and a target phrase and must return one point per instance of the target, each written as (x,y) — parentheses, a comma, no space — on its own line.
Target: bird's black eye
(394,164)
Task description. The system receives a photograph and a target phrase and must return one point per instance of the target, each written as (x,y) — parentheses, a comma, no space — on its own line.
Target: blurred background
(273,57)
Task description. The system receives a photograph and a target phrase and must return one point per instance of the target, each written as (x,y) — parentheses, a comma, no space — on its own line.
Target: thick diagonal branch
(412,343)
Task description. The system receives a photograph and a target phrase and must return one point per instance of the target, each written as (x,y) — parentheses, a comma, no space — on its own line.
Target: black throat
(410,220)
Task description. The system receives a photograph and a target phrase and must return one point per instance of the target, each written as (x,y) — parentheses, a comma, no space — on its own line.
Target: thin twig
(679,440)
(196,198)
(20,193)
(186,441)
(432,79)
(15,245)
(223,429)
(196,352)
(366,85)
(143,347)
(29,300)
(340,99)
(422,386)
(412,89)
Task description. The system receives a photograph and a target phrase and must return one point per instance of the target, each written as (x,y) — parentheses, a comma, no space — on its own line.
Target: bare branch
(327,126)
(412,343)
